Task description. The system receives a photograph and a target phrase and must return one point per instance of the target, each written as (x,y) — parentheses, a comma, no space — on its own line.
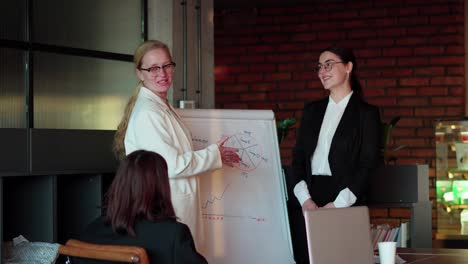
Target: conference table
(433,255)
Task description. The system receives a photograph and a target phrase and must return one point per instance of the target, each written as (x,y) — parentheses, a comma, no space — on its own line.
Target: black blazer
(354,150)
(166,241)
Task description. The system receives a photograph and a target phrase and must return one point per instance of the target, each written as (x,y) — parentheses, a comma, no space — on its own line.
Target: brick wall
(410,56)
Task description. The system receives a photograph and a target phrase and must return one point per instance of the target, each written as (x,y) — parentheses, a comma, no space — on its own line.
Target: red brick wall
(410,57)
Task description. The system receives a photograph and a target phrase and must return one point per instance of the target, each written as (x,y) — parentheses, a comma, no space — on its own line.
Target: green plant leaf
(395,120)
(283,128)
(399,147)
(387,129)
(286,123)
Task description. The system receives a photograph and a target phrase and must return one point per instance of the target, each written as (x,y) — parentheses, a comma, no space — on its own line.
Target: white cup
(387,252)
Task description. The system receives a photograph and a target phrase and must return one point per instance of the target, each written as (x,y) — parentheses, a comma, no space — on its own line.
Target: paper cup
(387,252)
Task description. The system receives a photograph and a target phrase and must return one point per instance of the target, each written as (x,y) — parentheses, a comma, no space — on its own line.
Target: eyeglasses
(327,66)
(167,68)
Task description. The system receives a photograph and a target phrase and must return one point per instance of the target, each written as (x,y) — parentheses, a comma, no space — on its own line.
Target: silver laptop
(339,235)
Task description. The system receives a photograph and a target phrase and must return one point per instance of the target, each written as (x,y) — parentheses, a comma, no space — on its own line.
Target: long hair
(346,55)
(140,190)
(140,52)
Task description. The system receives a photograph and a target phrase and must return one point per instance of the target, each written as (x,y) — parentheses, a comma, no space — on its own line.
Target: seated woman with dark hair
(139,212)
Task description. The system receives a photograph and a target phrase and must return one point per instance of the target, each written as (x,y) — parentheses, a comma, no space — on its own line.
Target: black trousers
(298,231)
(323,189)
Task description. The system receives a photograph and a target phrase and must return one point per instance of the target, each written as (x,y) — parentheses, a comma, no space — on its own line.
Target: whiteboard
(243,208)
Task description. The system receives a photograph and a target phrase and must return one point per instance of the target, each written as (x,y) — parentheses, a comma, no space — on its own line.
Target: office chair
(118,253)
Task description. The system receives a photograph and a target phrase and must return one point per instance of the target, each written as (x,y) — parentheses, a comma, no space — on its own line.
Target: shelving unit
(52,181)
(405,186)
(451,178)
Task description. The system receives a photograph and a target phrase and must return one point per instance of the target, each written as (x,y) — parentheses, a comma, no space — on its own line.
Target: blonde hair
(140,52)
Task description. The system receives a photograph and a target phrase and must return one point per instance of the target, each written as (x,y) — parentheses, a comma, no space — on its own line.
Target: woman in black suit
(338,143)
(139,212)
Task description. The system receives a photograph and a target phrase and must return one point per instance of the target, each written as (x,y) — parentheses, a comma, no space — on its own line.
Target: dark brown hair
(347,55)
(140,190)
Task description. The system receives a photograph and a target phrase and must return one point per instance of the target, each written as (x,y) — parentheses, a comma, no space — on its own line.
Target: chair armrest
(132,254)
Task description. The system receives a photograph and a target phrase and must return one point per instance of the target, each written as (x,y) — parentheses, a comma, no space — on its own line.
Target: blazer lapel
(348,122)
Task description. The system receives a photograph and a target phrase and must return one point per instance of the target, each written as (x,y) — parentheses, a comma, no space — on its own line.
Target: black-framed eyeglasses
(327,66)
(167,68)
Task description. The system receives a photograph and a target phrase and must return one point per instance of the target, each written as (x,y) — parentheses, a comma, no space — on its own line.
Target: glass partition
(13,20)
(72,92)
(12,88)
(104,25)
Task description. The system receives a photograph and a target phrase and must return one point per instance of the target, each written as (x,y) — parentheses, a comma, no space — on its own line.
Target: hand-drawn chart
(211,200)
(243,207)
(250,151)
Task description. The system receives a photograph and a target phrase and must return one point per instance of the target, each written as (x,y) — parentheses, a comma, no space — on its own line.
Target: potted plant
(389,154)
(283,127)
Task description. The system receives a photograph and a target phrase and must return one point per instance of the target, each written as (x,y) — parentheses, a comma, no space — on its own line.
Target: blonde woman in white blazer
(151,123)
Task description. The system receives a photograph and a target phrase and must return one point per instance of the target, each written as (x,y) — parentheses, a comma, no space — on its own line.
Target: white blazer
(155,126)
